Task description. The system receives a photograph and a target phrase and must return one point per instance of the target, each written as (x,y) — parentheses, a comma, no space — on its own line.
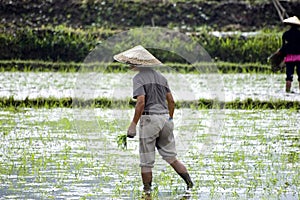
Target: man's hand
(131,132)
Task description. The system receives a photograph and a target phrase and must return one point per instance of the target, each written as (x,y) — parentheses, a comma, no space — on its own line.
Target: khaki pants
(156,131)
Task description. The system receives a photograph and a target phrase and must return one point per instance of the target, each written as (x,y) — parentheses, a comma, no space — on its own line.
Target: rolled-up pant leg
(149,131)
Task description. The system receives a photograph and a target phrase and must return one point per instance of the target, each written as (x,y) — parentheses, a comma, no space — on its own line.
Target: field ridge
(129,103)
(48,66)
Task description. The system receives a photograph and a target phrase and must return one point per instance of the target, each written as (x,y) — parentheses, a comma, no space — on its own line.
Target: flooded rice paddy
(67,153)
(119,85)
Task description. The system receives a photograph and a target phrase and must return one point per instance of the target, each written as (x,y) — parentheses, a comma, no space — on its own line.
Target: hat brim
(292,21)
(138,56)
(136,61)
(292,24)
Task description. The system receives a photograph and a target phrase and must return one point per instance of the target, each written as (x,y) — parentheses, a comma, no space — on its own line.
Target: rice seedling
(48,103)
(122,141)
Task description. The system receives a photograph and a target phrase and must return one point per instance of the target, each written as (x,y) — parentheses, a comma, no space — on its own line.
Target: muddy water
(72,154)
(226,87)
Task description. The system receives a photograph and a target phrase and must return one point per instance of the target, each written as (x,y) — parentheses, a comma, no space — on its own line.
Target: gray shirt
(155,87)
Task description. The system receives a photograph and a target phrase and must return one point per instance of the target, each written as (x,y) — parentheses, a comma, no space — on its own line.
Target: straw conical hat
(292,20)
(138,55)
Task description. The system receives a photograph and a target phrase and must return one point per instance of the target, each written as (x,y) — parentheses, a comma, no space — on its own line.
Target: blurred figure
(291,50)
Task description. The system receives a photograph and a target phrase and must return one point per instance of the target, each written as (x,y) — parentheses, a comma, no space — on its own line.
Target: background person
(291,50)
(154,108)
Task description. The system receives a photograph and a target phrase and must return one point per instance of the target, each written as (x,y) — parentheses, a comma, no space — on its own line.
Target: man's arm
(139,108)
(171,104)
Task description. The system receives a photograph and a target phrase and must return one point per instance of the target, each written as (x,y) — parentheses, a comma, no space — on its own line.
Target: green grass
(247,104)
(47,66)
(64,44)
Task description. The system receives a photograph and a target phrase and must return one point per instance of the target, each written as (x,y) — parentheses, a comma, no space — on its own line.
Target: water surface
(226,87)
(72,153)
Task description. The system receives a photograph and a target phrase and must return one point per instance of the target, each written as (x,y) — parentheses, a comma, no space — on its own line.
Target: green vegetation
(122,141)
(239,49)
(247,104)
(73,45)
(114,67)
(58,43)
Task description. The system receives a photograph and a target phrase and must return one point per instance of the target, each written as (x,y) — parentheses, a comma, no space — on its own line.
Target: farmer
(154,108)
(291,50)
